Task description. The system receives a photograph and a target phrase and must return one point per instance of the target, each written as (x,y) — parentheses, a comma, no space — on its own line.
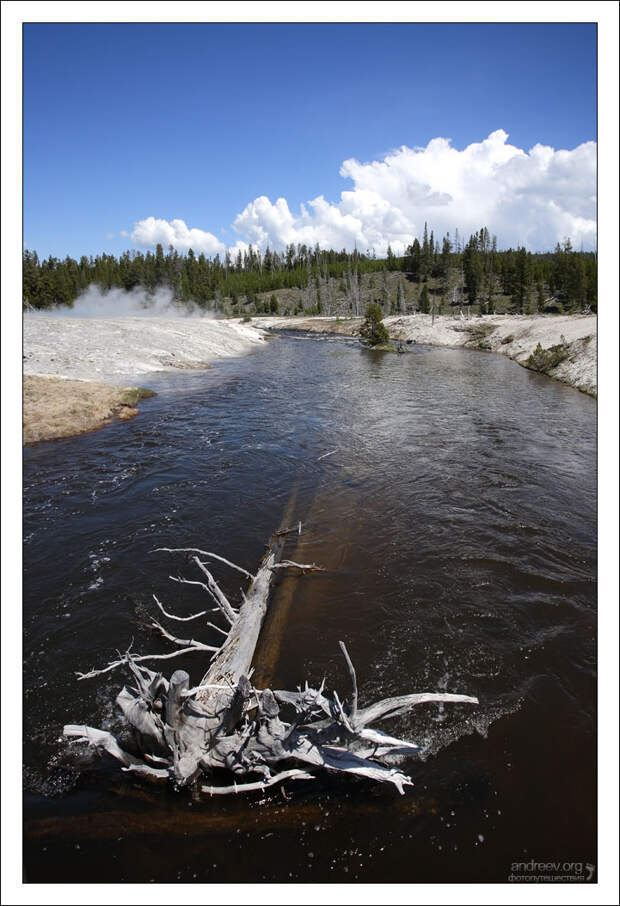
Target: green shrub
(545,360)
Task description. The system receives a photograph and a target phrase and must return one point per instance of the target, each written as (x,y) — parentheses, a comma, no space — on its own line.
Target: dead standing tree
(184,733)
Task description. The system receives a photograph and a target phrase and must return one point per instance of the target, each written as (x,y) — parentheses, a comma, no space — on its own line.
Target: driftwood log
(261,736)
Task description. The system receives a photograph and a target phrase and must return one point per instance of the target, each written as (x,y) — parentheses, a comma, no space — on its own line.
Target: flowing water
(456,521)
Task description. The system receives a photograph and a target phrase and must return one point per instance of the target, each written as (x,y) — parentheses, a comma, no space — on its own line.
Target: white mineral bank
(515,336)
(112,350)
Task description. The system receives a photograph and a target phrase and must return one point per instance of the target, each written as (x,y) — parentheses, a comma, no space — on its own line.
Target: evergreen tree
(575,280)
(508,272)
(426,258)
(415,260)
(444,260)
(472,270)
(424,304)
(401,302)
(373,330)
(387,305)
(565,274)
(521,282)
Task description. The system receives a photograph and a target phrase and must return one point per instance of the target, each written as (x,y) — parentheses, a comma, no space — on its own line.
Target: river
(457,524)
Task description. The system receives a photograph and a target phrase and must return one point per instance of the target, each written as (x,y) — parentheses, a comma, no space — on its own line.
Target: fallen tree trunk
(186,733)
(234,658)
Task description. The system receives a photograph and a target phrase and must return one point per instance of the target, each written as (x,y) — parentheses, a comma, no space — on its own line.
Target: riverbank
(74,367)
(572,338)
(56,407)
(91,360)
(113,349)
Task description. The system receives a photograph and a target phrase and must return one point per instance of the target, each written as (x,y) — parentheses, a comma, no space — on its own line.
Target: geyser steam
(121,303)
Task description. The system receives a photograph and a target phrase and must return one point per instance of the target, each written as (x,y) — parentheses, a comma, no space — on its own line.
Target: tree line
(476,273)
(472,273)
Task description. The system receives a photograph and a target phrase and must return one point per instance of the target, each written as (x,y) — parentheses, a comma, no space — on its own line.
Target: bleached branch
(293,774)
(172,616)
(216,592)
(143,657)
(100,739)
(306,567)
(187,643)
(353,679)
(195,550)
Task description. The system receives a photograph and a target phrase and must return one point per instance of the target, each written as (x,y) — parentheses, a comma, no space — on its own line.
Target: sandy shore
(73,366)
(515,336)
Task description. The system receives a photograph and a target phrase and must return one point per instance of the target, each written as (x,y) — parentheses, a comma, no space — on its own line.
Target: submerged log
(184,733)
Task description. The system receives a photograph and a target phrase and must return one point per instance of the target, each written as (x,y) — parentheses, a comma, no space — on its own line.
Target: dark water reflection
(457,524)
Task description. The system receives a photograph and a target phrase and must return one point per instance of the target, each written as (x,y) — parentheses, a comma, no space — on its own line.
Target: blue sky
(127,122)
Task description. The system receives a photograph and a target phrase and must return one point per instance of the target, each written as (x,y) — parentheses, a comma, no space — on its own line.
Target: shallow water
(456,521)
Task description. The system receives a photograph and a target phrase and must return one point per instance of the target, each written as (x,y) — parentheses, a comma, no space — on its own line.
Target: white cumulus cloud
(533,198)
(147,233)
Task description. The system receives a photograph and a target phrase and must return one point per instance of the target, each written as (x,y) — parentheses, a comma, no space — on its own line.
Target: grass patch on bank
(132,395)
(54,407)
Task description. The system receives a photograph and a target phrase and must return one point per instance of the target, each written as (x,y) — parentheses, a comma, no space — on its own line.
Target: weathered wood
(184,643)
(179,684)
(172,616)
(343,648)
(234,658)
(391,707)
(124,661)
(195,550)
(304,567)
(143,717)
(100,739)
(294,774)
(216,593)
(225,722)
(290,530)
